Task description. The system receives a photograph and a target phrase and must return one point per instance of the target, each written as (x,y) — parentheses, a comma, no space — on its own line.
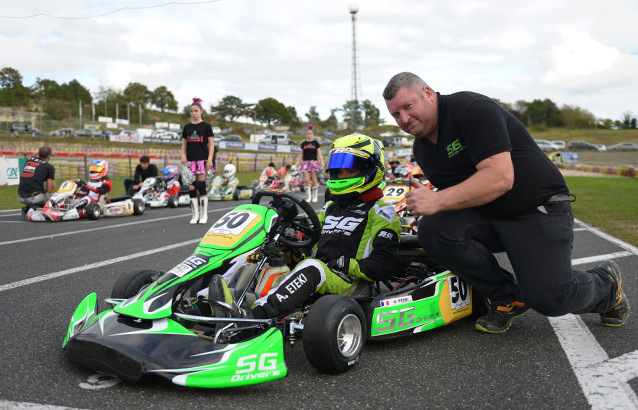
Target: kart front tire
(138,206)
(93,211)
(334,334)
(130,283)
(236,196)
(173,201)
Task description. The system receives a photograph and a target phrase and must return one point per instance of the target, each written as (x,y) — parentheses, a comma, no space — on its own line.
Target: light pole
(355,89)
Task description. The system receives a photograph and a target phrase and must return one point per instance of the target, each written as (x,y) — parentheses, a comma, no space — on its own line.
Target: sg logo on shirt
(347,223)
(454,148)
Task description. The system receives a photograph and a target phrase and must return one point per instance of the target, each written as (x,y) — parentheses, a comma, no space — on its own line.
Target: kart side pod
(434,302)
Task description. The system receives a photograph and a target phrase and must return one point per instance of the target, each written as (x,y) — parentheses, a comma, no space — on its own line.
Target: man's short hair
(145,158)
(404,79)
(45,152)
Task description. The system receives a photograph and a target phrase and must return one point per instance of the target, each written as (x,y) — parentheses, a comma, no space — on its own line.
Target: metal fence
(73,167)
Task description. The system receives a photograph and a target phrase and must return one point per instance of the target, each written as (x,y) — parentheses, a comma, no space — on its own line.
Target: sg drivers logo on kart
(265,367)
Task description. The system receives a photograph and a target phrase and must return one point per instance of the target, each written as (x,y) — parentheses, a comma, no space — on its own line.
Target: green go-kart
(159,325)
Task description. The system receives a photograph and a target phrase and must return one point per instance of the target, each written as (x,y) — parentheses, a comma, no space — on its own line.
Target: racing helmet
(359,152)
(418,173)
(170,172)
(270,172)
(98,169)
(294,170)
(229,171)
(404,171)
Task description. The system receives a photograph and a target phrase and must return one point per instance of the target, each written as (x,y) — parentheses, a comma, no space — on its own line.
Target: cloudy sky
(577,52)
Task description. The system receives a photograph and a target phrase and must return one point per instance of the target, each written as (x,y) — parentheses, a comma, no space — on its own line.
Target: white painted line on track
(54,275)
(93,228)
(15,405)
(603,381)
(598,258)
(631,248)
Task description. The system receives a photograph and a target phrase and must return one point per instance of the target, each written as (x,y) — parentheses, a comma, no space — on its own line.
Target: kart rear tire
(173,201)
(334,334)
(138,206)
(236,196)
(93,211)
(130,283)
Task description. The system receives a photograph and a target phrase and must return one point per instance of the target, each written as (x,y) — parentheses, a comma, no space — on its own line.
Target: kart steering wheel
(286,204)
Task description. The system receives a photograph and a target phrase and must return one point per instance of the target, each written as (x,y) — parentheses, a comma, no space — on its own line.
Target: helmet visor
(96,169)
(340,160)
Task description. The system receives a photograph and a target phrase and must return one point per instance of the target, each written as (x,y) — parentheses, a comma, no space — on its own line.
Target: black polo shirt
(473,127)
(34,176)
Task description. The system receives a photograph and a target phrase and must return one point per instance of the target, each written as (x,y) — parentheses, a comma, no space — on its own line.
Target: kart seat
(360,290)
(270,278)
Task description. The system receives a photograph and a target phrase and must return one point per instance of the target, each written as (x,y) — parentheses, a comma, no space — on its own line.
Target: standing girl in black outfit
(197,154)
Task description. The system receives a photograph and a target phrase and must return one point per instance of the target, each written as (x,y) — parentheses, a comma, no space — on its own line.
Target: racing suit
(229,185)
(359,240)
(94,191)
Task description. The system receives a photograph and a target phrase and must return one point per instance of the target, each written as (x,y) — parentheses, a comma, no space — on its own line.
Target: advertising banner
(136,139)
(9,171)
(253,146)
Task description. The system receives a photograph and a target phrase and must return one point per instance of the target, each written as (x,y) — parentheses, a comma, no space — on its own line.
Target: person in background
(309,159)
(37,179)
(283,171)
(142,171)
(198,149)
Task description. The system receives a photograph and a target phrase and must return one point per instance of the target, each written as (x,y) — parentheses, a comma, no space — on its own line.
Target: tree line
(62,101)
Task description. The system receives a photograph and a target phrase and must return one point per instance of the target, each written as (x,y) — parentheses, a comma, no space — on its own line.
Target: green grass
(610,204)
(593,135)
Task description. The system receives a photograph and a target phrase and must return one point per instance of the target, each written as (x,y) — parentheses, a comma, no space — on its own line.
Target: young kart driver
(98,186)
(359,235)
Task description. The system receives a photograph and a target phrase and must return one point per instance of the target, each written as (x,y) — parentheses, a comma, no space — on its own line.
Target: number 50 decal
(248,364)
(459,292)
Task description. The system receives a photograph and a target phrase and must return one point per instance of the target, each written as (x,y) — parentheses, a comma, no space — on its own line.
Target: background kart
(159,326)
(61,206)
(155,195)
(218,192)
(394,193)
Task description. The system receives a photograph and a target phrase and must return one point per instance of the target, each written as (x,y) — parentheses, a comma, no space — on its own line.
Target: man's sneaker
(618,315)
(218,291)
(499,318)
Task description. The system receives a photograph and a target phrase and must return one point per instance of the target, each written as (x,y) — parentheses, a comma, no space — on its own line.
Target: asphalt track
(47,268)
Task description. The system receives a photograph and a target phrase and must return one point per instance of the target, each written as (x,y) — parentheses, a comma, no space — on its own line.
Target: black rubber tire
(130,283)
(236,195)
(138,206)
(173,201)
(324,330)
(93,211)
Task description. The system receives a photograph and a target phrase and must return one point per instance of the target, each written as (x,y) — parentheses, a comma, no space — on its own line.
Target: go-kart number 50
(234,223)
